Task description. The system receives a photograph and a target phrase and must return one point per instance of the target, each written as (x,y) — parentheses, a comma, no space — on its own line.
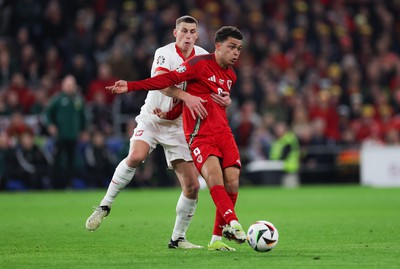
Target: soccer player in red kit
(210,140)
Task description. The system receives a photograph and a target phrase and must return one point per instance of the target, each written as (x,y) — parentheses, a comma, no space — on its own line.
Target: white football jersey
(166,58)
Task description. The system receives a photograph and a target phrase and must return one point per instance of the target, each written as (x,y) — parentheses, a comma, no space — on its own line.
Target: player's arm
(149,84)
(163,81)
(174,113)
(193,103)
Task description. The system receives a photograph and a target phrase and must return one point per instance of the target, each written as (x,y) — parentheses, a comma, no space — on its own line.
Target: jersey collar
(181,55)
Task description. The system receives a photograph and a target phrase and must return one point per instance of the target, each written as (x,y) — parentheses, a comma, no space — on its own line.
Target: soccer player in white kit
(151,130)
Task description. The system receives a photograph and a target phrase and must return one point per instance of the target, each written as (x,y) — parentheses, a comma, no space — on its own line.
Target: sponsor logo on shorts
(138,132)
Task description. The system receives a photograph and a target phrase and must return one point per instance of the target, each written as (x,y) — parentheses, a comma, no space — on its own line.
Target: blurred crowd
(329,70)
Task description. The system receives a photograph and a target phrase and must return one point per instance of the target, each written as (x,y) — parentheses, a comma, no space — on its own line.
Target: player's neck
(186,54)
(220,62)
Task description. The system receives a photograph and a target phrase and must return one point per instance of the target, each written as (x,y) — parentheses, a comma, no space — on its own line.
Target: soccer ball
(262,236)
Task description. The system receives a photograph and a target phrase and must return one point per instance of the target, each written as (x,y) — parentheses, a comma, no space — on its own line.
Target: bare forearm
(173,92)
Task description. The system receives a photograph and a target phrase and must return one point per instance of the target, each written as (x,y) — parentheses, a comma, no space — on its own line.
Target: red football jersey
(203,76)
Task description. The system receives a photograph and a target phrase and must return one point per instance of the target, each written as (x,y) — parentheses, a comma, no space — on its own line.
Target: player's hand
(195,105)
(120,86)
(159,113)
(222,99)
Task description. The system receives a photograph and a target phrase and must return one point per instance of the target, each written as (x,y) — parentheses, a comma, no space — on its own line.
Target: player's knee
(191,188)
(134,159)
(232,185)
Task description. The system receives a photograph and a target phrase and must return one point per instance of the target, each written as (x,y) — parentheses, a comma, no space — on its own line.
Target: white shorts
(169,136)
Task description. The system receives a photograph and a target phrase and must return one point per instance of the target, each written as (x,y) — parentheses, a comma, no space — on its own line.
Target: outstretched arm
(149,84)
(163,81)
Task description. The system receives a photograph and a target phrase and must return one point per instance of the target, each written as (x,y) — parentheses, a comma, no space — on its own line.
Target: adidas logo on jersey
(212,79)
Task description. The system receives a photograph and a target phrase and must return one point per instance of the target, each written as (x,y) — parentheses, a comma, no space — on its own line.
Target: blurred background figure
(27,163)
(65,120)
(98,162)
(4,148)
(286,148)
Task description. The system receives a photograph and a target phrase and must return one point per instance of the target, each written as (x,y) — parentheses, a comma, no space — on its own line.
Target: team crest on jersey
(181,69)
(221,81)
(160,60)
(229,83)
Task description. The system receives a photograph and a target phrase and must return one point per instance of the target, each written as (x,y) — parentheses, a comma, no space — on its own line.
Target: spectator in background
(4,148)
(100,114)
(243,125)
(54,24)
(99,162)
(272,104)
(81,70)
(28,163)
(324,110)
(18,126)
(3,107)
(65,119)
(7,67)
(104,78)
(286,148)
(53,64)
(121,65)
(11,103)
(367,125)
(26,97)
(29,65)
(260,143)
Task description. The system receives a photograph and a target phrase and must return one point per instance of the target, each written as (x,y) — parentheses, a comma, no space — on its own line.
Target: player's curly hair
(227,31)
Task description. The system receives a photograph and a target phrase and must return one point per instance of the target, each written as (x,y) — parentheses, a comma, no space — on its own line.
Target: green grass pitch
(319,227)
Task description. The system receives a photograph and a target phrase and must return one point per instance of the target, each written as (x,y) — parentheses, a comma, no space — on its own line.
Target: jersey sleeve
(161,62)
(175,112)
(185,72)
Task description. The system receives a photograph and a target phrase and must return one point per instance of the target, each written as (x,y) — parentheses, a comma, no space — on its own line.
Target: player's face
(186,35)
(228,51)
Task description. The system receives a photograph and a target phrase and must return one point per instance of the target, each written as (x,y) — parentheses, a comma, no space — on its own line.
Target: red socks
(225,204)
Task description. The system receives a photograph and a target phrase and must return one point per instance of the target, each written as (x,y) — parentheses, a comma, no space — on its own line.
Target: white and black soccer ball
(262,236)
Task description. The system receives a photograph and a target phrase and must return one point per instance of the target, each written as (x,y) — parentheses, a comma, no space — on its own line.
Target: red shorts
(222,146)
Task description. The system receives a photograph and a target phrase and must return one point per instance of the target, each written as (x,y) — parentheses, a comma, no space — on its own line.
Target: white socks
(122,176)
(234,222)
(215,238)
(185,209)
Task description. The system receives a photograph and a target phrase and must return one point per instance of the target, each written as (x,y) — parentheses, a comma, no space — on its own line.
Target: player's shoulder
(166,49)
(199,50)
(197,59)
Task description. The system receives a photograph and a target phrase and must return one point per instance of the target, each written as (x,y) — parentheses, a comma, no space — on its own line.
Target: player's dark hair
(187,19)
(227,31)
